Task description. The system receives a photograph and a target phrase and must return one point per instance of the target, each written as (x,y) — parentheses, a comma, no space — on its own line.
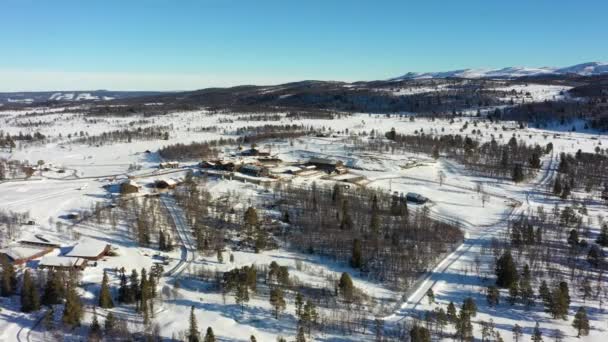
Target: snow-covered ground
(49,196)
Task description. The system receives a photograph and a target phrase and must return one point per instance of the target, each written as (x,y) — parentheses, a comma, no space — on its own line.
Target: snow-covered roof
(87,248)
(61,261)
(40,239)
(131,182)
(17,252)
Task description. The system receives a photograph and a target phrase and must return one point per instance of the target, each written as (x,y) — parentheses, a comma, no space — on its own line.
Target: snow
(49,196)
(60,261)
(20,251)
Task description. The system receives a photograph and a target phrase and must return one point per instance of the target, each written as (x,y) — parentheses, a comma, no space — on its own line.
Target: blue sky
(171,44)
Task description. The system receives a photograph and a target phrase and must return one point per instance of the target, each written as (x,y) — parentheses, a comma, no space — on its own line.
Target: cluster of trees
(134,289)
(515,159)
(372,231)
(8,141)
(584,171)
(125,135)
(9,222)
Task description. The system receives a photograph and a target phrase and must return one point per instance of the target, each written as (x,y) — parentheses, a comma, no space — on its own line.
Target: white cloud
(32,80)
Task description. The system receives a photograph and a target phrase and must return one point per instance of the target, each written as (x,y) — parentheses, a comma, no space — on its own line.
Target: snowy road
(450,268)
(184,234)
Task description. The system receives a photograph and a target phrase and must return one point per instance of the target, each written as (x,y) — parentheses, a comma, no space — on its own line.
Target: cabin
(328,165)
(416,198)
(254,170)
(40,240)
(270,161)
(62,263)
(168,165)
(254,152)
(89,249)
(20,254)
(129,187)
(165,183)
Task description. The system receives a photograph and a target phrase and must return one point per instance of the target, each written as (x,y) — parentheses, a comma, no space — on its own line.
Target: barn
(62,263)
(165,183)
(89,249)
(328,165)
(254,170)
(20,254)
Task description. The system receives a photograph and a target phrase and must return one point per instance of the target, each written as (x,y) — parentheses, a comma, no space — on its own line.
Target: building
(254,170)
(254,152)
(20,254)
(62,263)
(416,198)
(89,249)
(168,165)
(270,161)
(165,183)
(129,187)
(40,240)
(328,165)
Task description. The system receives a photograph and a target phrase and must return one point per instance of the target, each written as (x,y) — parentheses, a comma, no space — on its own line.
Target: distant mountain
(584,69)
(51,97)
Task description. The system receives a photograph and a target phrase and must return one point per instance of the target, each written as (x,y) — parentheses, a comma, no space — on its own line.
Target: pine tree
(517,332)
(241,295)
(301,337)
(110,324)
(356,260)
(95,333)
(430,295)
(123,290)
(602,239)
(420,334)
(8,278)
(525,287)
(513,293)
(566,191)
(30,300)
(105,296)
(451,312)
(346,287)
(347,222)
(581,322)
(252,339)
(133,287)
(54,290)
(537,335)
(162,243)
(299,304)
(469,307)
(374,225)
(493,296)
(193,333)
(72,313)
(277,301)
(518,173)
(506,272)
(557,186)
(209,336)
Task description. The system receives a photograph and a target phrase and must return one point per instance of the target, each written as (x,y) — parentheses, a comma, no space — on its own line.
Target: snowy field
(454,195)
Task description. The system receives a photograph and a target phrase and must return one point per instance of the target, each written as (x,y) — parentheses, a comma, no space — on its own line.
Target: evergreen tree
(557,186)
(356,259)
(537,335)
(347,222)
(430,295)
(193,334)
(374,225)
(513,293)
(451,312)
(241,295)
(518,332)
(346,287)
(299,304)
(506,272)
(54,290)
(110,324)
(573,238)
(566,191)
(72,312)
(420,334)
(277,301)
(8,278)
(525,287)
(252,339)
(209,336)
(30,300)
(581,322)
(124,294)
(518,173)
(301,337)
(602,239)
(493,296)
(133,287)
(95,333)
(105,296)
(469,307)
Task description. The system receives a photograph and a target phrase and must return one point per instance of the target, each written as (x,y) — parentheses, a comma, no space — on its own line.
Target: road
(184,234)
(451,266)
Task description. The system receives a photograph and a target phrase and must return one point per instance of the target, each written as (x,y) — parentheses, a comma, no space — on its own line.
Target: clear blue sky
(172,44)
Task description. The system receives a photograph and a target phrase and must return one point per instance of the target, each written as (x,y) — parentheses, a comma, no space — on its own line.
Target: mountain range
(584,69)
